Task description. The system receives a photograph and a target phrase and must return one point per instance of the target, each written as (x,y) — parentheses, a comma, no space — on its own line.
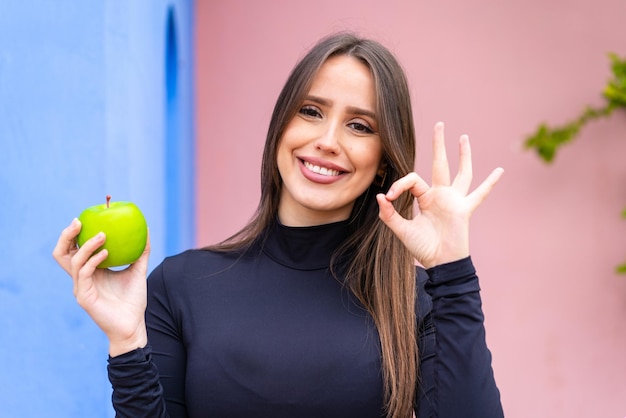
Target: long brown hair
(381,273)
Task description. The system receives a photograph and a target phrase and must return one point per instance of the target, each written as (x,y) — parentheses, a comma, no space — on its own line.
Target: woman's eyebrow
(363,112)
(319,100)
(351,109)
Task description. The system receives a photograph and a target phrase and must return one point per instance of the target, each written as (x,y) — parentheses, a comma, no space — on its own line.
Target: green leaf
(621,269)
(546,140)
(615,89)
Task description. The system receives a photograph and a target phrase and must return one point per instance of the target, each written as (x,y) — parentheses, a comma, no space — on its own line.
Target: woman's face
(330,151)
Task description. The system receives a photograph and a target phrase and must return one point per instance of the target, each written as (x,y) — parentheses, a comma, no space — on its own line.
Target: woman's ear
(381,174)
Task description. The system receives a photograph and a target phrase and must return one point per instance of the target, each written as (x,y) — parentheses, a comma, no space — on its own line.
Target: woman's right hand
(115,300)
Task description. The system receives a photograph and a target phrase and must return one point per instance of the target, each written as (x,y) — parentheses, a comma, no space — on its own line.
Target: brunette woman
(316,308)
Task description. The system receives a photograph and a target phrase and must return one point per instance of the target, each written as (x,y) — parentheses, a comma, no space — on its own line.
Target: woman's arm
(116,301)
(456,377)
(150,382)
(165,336)
(136,388)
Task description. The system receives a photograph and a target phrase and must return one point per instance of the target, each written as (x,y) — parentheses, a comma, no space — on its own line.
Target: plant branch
(546,141)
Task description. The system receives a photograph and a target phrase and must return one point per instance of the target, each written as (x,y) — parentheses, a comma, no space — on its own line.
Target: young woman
(316,307)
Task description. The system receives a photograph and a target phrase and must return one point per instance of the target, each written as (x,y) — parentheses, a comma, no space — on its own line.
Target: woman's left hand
(439,233)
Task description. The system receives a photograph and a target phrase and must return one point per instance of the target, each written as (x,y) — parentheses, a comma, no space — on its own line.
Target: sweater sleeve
(455,378)
(136,388)
(150,382)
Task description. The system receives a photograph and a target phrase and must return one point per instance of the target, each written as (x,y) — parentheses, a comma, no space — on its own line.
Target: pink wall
(547,240)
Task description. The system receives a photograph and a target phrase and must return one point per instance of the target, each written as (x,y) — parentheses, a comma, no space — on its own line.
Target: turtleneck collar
(305,248)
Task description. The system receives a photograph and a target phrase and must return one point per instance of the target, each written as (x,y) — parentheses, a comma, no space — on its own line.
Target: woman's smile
(321,172)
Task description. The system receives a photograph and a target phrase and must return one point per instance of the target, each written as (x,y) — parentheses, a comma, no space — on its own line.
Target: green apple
(125,228)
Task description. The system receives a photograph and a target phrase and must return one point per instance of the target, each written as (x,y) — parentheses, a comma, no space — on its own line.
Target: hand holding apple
(115,300)
(125,229)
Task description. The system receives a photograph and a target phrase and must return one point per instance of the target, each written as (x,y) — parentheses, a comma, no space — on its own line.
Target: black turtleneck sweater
(271,333)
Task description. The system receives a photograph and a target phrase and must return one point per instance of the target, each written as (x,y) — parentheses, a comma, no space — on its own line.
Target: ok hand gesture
(439,233)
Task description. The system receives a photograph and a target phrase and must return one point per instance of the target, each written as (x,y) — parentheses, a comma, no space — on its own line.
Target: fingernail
(100,235)
(74,222)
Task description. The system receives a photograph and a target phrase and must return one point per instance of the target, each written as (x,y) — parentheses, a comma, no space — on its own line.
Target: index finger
(412,182)
(66,243)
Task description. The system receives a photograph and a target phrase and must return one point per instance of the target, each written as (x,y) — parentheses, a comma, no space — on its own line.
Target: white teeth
(321,170)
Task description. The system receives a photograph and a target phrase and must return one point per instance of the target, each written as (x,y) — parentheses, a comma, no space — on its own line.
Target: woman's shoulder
(196,263)
(198,255)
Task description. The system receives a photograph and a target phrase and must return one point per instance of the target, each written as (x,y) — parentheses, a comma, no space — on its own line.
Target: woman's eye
(310,111)
(360,127)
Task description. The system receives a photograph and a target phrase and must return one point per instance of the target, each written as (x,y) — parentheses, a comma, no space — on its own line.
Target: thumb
(141,264)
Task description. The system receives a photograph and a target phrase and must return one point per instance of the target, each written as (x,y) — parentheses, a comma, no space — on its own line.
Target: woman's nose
(329,139)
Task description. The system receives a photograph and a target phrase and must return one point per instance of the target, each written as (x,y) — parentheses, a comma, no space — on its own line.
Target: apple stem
(108,200)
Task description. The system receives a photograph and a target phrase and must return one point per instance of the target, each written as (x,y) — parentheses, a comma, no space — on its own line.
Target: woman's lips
(319,172)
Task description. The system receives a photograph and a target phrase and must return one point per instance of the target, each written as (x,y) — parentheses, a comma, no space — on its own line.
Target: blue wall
(83,113)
